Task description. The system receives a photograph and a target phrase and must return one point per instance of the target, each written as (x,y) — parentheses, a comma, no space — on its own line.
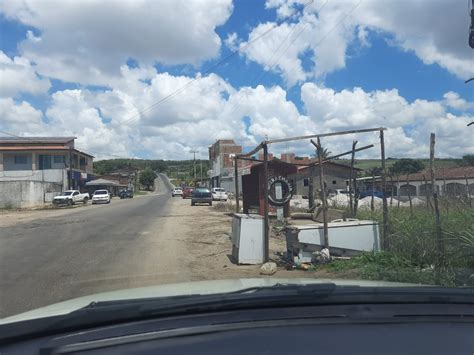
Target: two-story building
(35,169)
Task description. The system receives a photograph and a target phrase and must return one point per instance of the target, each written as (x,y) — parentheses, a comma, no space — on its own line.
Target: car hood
(60,197)
(179,289)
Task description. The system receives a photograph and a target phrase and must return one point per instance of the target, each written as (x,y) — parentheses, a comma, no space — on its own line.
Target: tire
(108,201)
(93,202)
(69,202)
(210,203)
(193,204)
(85,200)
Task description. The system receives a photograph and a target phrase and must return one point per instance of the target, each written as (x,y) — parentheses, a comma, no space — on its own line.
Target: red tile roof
(447,173)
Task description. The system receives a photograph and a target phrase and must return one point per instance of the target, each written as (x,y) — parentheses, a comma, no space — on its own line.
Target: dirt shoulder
(204,237)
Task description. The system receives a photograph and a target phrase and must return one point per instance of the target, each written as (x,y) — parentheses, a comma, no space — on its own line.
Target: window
(306,182)
(59,159)
(334,182)
(20,159)
(82,161)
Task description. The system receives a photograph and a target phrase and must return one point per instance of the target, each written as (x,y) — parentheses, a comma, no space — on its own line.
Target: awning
(101,182)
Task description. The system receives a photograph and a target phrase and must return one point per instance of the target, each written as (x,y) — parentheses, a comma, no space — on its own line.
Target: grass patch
(412,252)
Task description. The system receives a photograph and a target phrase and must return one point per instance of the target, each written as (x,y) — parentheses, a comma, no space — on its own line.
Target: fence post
(323,195)
(265,202)
(439,232)
(237,192)
(351,188)
(384,197)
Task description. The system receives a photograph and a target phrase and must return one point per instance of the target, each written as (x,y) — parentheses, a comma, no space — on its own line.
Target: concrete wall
(9,162)
(454,187)
(21,194)
(29,188)
(49,175)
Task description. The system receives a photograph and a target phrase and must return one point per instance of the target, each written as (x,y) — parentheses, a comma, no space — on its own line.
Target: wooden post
(372,207)
(385,240)
(311,187)
(237,192)
(468,192)
(391,190)
(445,194)
(427,192)
(409,197)
(439,232)
(398,191)
(265,202)
(323,195)
(356,195)
(351,202)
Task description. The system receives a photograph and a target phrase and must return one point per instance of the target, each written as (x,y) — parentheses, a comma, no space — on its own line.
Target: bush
(412,252)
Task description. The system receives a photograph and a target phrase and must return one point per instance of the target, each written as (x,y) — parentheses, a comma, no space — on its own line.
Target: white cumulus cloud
(88,41)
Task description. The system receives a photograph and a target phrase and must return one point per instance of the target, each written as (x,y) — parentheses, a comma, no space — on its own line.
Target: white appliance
(247,238)
(346,238)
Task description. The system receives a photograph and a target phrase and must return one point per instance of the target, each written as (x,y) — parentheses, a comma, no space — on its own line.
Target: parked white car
(70,197)
(101,196)
(219,194)
(177,191)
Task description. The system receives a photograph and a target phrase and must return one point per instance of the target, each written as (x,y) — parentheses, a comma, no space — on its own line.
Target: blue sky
(362,68)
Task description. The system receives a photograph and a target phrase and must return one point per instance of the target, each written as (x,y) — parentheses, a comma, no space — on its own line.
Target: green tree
(406,166)
(468,160)
(147,178)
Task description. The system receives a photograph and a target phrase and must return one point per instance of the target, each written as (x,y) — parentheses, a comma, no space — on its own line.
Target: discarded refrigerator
(346,238)
(247,238)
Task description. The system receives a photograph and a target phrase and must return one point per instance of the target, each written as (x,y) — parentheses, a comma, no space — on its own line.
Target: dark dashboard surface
(349,329)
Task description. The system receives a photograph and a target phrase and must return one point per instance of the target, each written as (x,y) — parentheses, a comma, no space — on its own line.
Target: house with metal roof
(35,169)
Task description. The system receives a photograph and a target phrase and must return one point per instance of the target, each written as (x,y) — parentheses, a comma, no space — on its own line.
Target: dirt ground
(207,233)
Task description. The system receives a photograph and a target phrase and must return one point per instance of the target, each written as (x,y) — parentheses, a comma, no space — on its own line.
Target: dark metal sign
(287,190)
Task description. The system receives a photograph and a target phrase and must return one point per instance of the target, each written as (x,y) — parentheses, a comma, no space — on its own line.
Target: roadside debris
(268,268)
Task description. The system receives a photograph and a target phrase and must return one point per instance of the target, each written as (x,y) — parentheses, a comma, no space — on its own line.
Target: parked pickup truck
(70,197)
(219,194)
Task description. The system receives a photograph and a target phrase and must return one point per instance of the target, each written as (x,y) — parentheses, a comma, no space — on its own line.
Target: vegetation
(468,160)
(103,167)
(406,166)
(147,178)
(179,170)
(412,255)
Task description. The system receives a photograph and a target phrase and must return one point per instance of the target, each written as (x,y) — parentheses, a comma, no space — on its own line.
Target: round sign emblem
(275,197)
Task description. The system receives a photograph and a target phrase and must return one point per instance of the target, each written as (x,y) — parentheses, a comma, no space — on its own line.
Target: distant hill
(176,169)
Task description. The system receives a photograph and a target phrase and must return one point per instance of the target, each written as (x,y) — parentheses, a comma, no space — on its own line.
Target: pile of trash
(339,200)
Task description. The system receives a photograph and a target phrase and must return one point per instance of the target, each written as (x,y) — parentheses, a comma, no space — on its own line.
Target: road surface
(87,250)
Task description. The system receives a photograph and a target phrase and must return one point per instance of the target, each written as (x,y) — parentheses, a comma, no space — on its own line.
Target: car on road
(188,192)
(125,194)
(101,196)
(70,197)
(201,195)
(177,191)
(219,194)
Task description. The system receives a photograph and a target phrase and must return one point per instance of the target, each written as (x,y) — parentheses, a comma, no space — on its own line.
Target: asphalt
(49,260)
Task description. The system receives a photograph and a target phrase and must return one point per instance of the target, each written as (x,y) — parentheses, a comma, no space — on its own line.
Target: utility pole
(194,164)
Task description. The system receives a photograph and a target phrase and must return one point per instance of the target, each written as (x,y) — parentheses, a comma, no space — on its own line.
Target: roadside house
(336,176)
(35,169)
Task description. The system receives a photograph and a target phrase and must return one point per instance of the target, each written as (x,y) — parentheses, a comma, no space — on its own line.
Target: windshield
(219,140)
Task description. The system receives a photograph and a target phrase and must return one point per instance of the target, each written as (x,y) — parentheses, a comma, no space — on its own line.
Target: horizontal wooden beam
(282,140)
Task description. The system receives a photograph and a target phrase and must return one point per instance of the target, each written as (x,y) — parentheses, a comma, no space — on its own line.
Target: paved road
(92,249)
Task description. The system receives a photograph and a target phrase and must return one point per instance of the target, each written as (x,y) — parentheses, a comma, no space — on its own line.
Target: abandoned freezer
(346,238)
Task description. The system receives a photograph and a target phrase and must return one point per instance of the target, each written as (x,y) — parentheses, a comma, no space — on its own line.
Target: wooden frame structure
(264,146)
